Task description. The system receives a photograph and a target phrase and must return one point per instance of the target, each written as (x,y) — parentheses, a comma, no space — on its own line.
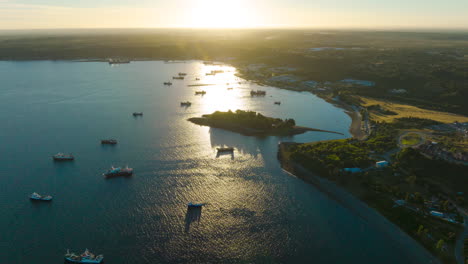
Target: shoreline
(349,201)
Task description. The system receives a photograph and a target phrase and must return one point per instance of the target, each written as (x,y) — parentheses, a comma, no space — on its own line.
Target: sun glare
(221,14)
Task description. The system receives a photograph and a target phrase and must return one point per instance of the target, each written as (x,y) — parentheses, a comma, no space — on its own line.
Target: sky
(341,14)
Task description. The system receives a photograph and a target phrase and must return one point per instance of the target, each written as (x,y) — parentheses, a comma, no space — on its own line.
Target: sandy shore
(356,119)
(356,123)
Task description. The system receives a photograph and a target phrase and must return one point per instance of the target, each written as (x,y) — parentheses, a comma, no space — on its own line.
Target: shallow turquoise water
(255,212)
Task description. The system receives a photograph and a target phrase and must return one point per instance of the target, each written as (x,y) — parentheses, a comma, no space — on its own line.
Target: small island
(251,123)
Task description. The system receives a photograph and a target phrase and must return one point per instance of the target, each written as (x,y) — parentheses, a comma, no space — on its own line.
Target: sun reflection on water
(224,91)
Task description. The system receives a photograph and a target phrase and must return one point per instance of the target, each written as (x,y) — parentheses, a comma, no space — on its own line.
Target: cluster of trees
(413,122)
(440,172)
(331,156)
(250,119)
(328,156)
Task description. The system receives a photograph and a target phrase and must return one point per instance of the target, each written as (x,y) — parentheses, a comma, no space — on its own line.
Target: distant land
(425,69)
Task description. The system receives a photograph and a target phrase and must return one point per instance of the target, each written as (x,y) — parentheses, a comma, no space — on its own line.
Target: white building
(381,164)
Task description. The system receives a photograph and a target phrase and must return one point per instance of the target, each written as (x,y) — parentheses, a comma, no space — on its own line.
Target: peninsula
(251,123)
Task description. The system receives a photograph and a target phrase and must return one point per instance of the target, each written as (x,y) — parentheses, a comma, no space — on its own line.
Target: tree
(420,229)
(440,244)
(411,179)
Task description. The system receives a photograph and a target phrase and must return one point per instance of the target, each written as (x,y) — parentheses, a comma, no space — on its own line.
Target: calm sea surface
(255,212)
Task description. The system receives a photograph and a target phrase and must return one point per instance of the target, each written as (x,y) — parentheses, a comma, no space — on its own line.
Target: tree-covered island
(252,123)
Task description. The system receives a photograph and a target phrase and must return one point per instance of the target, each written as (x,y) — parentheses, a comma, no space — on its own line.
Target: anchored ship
(258,92)
(108,141)
(195,205)
(225,149)
(200,92)
(178,77)
(168,83)
(37,197)
(115,172)
(138,114)
(85,257)
(63,157)
(185,103)
(118,61)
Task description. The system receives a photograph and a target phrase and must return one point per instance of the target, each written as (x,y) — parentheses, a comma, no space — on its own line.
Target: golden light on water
(221,14)
(218,97)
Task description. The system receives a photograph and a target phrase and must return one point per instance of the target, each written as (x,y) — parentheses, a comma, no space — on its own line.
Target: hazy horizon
(261,14)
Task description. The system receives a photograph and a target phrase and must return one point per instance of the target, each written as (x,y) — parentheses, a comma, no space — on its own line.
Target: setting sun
(221,14)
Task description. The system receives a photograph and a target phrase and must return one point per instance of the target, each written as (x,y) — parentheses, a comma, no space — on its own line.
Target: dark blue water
(255,212)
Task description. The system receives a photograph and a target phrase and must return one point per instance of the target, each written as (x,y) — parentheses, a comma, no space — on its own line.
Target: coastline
(348,200)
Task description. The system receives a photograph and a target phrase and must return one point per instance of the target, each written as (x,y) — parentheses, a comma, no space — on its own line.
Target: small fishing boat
(197,79)
(115,172)
(63,157)
(210,73)
(178,77)
(195,205)
(277,103)
(168,83)
(182,74)
(225,149)
(85,257)
(108,141)
(138,114)
(185,103)
(230,88)
(37,197)
(200,92)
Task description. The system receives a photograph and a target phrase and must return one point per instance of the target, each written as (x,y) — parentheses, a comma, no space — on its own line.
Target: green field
(411,139)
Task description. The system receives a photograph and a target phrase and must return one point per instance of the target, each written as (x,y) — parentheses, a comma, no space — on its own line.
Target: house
(381,164)
(437,214)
